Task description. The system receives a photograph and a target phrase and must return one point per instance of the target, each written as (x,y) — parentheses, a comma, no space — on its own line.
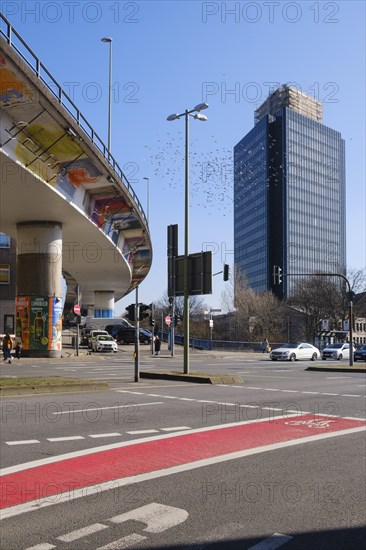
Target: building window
(4,240)
(4,274)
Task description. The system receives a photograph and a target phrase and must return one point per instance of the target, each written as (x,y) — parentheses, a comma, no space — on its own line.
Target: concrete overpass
(65,200)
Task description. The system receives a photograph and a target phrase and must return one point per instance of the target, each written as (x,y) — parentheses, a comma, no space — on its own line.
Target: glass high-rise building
(289,193)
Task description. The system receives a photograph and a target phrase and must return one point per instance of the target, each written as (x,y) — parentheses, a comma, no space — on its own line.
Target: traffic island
(50,384)
(196,377)
(338,368)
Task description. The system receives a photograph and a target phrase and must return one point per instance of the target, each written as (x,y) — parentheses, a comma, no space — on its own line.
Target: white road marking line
(42,546)
(124,542)
(324,393)
(338,377)
(290,391)
(350,395)
(311,392)
(266,408)
(274,541)
(252,388)
(112,434)
(71,411)
(69,438)
(176,428)
(186,399)
(79,533)
(271,389)
(116,483)
(139,432)
(22,442)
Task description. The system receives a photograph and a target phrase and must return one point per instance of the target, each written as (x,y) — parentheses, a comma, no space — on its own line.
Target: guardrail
(35,64)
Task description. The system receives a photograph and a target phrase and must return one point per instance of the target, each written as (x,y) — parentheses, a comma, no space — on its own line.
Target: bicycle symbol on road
(319,424)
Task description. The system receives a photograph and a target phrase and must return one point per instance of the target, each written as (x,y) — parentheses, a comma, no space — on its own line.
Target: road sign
(168,320)
(77,309)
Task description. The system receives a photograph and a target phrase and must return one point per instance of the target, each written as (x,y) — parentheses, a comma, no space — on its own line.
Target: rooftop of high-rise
(293,98)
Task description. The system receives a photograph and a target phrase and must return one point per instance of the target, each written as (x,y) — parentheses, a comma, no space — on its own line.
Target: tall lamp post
(195,113)
(109,41)
(148,198)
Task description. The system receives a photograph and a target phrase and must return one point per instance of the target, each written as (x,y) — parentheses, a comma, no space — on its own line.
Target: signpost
(77,309)
(168,320)
(77,313)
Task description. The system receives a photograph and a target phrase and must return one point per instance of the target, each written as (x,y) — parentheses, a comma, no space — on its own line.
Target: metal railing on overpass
(19,45)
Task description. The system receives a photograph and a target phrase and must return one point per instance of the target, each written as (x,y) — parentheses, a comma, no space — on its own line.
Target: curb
(53,388)
(340,368)
(198,378)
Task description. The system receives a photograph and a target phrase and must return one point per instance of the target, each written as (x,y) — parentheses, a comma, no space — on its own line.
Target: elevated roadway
(64,197)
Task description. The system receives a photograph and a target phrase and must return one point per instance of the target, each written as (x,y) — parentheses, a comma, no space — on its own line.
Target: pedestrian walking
(7,347)
(264,345)
(18,346)
(157,344)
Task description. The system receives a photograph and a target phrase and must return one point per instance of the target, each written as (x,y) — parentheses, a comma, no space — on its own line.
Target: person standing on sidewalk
(7,347)
(264,345)
(18,346)
(157,345)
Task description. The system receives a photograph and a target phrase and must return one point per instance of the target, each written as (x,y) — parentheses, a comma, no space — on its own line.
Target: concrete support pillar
(104,303)
(39,288)
(88,301)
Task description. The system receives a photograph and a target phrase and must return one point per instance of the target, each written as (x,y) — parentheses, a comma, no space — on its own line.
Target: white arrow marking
(157,517)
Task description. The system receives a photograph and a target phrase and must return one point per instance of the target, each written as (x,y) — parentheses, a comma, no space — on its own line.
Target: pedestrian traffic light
(143,312)
(279,276)
(131,312)
(226,272)
(152,321)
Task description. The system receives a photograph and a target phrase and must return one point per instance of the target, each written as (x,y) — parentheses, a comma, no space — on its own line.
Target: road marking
(311,392)
(290,391)
(339,377)
(69,438)
(124,542)
(107,408)
(138,432)
(158,456)
(157,517)
(176,428)
(85,531)
(274,541)
(350,395)
(112,434)
(22,442)
(323,393)
(44,546)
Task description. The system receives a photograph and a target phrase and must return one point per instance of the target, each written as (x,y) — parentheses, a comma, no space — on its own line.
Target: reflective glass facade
(289,200)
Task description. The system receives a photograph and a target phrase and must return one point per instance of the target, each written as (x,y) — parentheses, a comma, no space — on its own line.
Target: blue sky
(171,55)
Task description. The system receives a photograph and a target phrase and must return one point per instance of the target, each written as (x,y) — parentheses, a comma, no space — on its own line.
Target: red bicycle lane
(45,478)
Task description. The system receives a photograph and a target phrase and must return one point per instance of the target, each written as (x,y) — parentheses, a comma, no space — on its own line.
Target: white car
(294,352)
(104,342)
(336,351)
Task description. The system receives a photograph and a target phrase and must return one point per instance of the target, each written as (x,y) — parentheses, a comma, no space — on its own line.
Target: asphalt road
(307,493)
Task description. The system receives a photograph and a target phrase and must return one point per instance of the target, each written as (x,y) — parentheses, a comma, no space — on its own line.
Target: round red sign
(168,320)
(77,309)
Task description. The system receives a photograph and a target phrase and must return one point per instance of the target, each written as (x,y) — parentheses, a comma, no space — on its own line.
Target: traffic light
(131,312)
(143,312)
(152,321)
(176,320)
(78,319)
(226,272)
(279,276)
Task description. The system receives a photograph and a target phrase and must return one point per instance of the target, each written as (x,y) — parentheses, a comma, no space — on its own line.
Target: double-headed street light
(195,113)
(109,41)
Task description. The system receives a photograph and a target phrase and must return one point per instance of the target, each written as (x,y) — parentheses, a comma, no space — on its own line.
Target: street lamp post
(148,199)
(195,113)
(109,41)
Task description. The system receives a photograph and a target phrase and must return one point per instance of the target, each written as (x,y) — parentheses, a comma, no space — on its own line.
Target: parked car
(360,353)
(93,334)
(294,352)
(104,342)
(336,351)
(127,336)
